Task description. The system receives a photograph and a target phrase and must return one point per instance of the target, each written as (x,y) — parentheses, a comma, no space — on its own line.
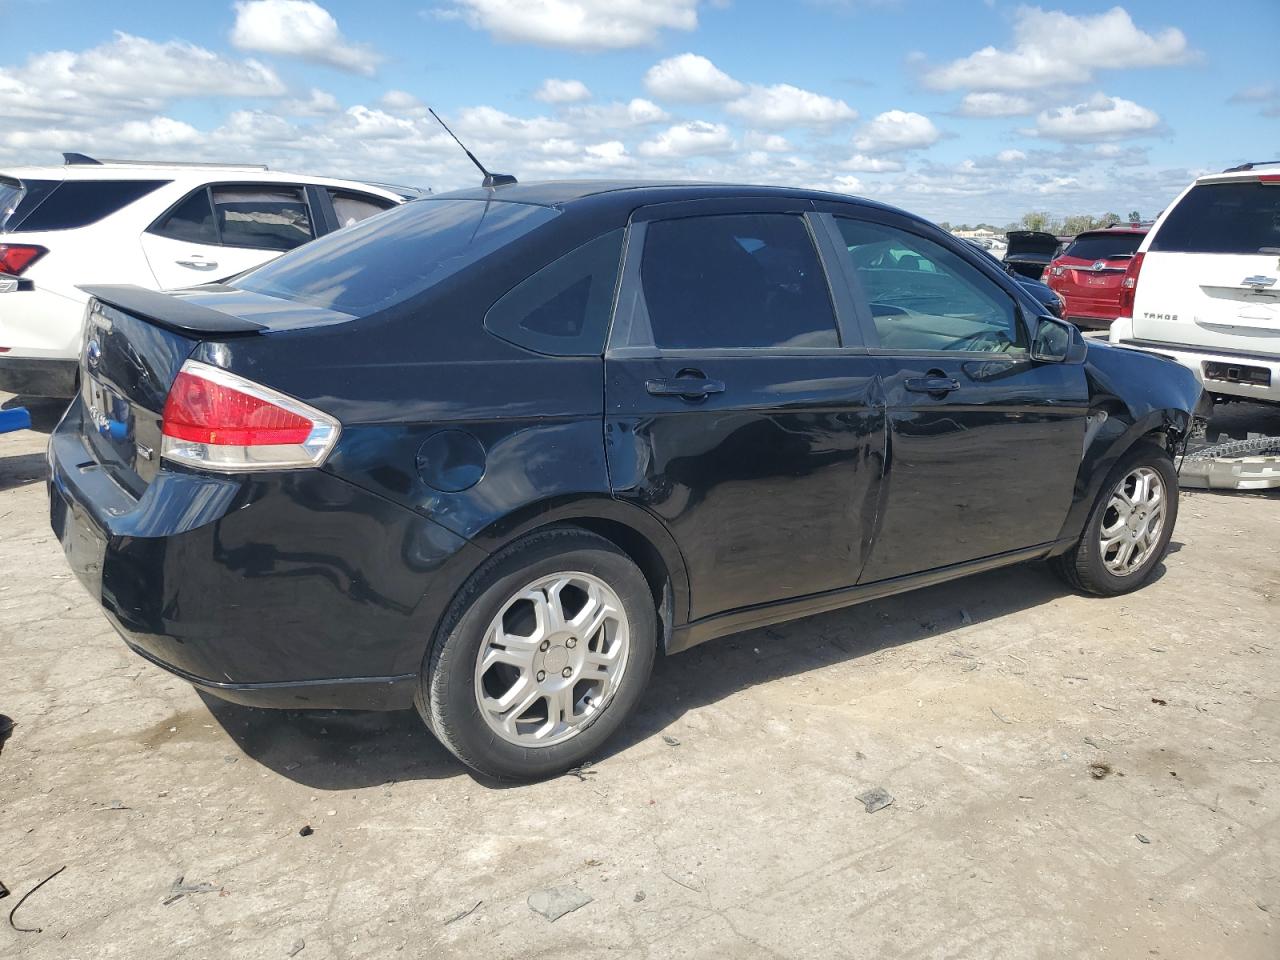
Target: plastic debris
(182,889)
(555,902)
(671,741)
(876,799)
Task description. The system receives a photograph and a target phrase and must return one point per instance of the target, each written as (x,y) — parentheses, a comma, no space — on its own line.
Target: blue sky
(962,111)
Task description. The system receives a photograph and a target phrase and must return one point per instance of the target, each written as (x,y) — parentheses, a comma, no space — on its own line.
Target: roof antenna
(491,180)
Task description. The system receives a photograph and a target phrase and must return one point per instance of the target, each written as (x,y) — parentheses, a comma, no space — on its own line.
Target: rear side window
(79,203)
(746,280)
(264,218)
(564,308)
(1237,217)
(351,208)
(1104,246)
(190,221)
(384,261)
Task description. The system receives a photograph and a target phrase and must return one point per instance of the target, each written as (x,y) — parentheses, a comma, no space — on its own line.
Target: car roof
(194,173)
(562,193)
(1111,231)
(1264,169)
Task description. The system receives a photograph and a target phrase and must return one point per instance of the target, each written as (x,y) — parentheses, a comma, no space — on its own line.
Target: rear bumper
(38,376)
(1211,368)
(291,590)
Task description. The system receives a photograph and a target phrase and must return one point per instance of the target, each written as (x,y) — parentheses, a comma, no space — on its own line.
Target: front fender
(1132,396)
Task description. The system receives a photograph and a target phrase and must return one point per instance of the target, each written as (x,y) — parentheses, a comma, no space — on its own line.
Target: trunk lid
(1211,274)
(136,341)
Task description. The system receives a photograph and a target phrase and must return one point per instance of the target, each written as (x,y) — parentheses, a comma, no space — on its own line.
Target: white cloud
(637,112)
(488,123)
(401,101)
(689,139)
(158,131)
(318,103)
(994,105)
(861,163)
(1099,118)
(1010,156)
(766,142)
(689,78)
(896,130)
(370,123)
(127,74)
(782,105)
(299,28)
(562,91)
(847,185)
(579,24)
(1053,47)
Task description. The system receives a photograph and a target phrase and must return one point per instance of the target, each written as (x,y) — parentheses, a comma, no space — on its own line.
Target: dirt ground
(1071,778)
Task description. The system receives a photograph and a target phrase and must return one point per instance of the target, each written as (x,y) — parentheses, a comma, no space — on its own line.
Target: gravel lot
(1071,777)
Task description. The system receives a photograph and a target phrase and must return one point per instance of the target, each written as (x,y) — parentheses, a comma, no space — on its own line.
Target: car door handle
(687,387)
(932,385)
(197,262)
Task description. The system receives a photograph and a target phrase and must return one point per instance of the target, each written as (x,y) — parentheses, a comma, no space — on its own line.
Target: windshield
(1238,217)
(1104,246)
(389,258)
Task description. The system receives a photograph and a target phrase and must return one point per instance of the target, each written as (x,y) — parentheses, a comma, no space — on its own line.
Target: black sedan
(492,452)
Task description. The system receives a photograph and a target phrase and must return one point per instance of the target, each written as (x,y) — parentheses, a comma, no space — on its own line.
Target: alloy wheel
(551,659)
(1132,521)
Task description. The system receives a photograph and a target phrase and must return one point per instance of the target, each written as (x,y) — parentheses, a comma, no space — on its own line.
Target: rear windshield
(1104,246)
(383,261)
(1239,217)
(67,204)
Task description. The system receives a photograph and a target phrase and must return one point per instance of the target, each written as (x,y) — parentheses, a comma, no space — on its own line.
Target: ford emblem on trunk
(93,353)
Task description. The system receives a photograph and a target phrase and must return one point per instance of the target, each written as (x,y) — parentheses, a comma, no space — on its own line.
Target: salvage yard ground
(1070,777)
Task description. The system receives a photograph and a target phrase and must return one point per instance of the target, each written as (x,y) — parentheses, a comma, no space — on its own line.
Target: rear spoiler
(171,312)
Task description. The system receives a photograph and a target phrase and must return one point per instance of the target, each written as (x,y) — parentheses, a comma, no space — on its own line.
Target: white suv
(1204,287)
(162,226)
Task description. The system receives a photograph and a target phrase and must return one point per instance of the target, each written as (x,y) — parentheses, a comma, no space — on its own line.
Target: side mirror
(1057,341)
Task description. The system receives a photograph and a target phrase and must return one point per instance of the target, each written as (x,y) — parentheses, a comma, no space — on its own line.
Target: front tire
(541,657)
(1128,530)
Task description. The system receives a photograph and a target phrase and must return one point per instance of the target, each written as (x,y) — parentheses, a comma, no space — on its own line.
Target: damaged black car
(490,453)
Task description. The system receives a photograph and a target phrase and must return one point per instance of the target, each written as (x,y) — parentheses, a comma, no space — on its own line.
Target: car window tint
(190,221)
(384,261)
(922,296)
(1104,246)
(267,218)
(1238,217)
(79,203)
(351,208)
(564,308)
(747,280)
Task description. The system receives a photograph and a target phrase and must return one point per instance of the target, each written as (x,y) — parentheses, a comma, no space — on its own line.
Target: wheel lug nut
(571,642)
(566,672)
(542,675)
(544,645)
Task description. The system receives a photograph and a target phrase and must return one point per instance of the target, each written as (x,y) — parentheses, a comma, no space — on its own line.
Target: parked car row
(157,225)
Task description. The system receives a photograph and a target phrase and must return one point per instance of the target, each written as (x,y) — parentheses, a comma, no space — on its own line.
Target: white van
(1204,287)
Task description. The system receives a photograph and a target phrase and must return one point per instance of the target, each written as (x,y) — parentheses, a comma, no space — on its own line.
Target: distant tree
(1108,219)
(945,225)
(1135,216)
(1077,224)
(1037,220)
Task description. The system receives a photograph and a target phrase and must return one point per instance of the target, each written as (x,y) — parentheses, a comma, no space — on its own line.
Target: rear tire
(1128,529)
(541,657)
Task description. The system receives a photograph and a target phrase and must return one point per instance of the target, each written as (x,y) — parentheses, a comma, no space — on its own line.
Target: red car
(1087,274)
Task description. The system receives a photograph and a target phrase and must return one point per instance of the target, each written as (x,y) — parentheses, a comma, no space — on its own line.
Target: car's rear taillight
(1129,285)
(16,257)
(216,420)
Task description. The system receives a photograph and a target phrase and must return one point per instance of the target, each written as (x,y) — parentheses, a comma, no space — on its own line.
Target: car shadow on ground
(22,469)
(344,750)
(45,412)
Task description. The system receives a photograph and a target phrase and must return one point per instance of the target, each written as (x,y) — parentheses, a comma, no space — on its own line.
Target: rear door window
(925,297)
(735,281)
(79,203)
(383,261)
(1240,217)
(351,207)
(1104,246)
(266,218)
(564,308)
(190,221)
